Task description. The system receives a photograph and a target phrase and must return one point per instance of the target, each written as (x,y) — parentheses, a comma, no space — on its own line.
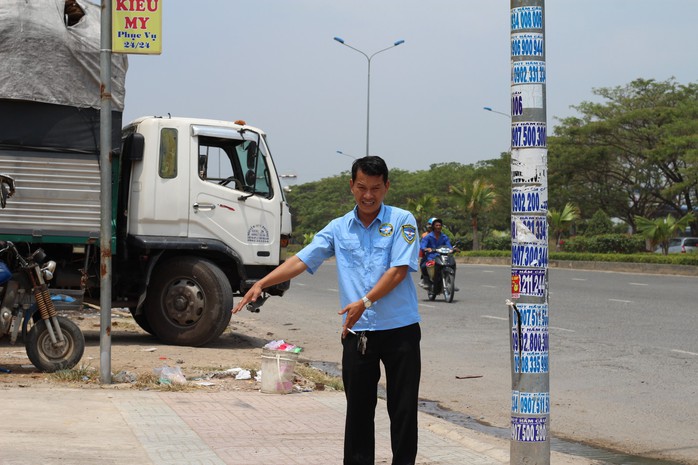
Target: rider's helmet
(431,220)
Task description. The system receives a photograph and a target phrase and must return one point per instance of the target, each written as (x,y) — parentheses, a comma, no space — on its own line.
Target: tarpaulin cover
(43,59)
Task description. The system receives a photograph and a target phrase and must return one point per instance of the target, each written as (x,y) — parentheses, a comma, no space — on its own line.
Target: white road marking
(427,306)
(683,352)
(621,301)
(562,329)
(491,287)
(579,279)
(332,289)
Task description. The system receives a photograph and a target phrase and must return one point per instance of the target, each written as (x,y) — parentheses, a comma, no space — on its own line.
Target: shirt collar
(381,214)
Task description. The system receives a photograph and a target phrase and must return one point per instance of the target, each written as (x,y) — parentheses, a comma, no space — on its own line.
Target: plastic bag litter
(170,375)
(124,377)
(282,345)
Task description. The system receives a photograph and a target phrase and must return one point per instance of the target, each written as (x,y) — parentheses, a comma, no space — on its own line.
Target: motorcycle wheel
(449,286)
(49,358)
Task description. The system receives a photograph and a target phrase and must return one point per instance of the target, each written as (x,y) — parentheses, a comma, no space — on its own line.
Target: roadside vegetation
(622,181)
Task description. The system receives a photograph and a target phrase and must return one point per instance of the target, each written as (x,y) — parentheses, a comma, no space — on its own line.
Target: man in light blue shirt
(376,247)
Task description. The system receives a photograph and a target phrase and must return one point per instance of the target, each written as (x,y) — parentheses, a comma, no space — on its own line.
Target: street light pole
(368,86)
(346,154)
(495,111)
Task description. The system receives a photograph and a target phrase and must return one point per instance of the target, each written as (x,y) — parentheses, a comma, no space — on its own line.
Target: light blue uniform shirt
(363,255)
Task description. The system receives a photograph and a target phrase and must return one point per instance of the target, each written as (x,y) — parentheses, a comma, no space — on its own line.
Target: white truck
(199,212)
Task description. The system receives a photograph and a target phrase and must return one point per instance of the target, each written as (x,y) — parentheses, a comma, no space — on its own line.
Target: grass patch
(319,377)
(81,374)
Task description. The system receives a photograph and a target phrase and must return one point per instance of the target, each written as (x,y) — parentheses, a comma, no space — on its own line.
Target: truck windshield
(235,163)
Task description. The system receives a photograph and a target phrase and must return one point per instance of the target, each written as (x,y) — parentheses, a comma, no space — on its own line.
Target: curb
(620,267)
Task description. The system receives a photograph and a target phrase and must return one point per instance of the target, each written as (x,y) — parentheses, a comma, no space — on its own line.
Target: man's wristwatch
(367,303)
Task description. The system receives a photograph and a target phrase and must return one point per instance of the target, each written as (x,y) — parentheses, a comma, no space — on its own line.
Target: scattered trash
(124,377)
(278,363)
(281,345)
(468,376)
(150,349)
(170,375)
(238,373)
(5,370)
(62,298)
(204,383)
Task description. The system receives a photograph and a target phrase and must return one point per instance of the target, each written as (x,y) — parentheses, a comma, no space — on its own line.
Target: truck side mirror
(251,155)
(134,146)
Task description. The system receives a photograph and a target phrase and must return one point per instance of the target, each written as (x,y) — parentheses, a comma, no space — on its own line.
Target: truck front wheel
(189,301)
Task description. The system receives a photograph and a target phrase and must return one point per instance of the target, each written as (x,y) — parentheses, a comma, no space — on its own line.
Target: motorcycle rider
(432,241)
(422,258)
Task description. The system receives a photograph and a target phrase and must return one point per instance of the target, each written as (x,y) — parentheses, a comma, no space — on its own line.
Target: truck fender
(149,272)
(159,245)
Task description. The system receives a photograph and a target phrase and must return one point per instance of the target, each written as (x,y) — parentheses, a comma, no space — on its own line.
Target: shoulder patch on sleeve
(409,233)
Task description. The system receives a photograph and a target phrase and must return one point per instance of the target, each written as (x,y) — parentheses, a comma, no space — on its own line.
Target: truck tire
(141,320)
(189,301)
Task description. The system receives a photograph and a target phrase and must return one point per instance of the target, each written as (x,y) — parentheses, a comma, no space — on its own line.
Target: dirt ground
(136,355)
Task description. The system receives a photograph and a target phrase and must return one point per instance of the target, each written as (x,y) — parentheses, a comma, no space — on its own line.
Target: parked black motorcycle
(442,274)
(52,342)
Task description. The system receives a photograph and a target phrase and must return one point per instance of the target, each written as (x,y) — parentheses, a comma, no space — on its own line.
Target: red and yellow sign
(137,26)
(515,286)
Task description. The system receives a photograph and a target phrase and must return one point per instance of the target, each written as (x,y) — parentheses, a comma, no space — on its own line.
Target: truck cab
(201,204)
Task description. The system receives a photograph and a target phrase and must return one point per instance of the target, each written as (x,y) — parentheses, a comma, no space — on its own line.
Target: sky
(274,64)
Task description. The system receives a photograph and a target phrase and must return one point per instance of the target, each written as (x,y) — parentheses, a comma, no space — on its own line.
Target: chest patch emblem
(386,230)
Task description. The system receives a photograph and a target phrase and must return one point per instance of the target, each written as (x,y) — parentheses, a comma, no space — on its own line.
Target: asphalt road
(623,351)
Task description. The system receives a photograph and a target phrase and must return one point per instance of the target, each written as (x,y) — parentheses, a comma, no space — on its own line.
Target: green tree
(475,199)
(422,208)
(560,221)
(659,231)
(599,224)
(498,173)
(632,154)
(308,238)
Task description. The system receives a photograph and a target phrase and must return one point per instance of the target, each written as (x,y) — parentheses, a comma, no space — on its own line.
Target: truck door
(235,196)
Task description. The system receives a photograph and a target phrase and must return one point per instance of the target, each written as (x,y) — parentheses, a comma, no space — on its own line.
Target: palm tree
(561,221)
(660,231)
(477,198)
(422,208)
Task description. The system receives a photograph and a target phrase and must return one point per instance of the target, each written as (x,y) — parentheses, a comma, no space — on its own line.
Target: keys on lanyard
(361,343)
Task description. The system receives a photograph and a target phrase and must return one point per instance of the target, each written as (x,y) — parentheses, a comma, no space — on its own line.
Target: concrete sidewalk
(109,425)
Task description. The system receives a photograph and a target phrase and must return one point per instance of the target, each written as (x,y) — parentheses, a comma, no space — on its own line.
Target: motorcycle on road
(442,273)
(52,342)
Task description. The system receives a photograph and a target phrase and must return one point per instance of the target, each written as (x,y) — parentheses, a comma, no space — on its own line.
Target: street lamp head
(346,154)
(496,111)
(398,43)
(339,39)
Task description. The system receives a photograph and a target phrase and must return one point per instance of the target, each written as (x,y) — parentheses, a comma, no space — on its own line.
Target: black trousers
(399,351)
